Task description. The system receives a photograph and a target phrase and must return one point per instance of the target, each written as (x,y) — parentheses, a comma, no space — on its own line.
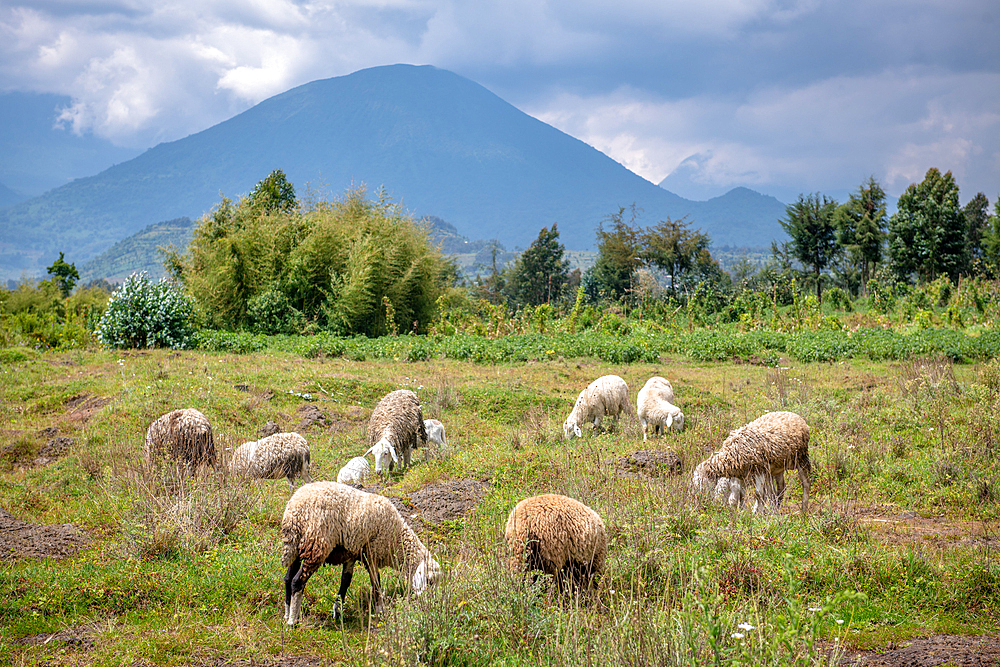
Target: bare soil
(436,503)
(19,539)
(648,465)
(900,528)
(956,650)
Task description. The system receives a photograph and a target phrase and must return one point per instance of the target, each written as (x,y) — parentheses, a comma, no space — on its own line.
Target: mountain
(39,154)
(139,252)
(741,217)
(438,143)
(8,197)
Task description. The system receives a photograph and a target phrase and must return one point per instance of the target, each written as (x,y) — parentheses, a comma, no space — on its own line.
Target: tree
(991,240)
(618,255)
(927,232)
(64,274)
(977,213)
(860,226)
(274,193)
(810,226)
(674,248)
(540,273)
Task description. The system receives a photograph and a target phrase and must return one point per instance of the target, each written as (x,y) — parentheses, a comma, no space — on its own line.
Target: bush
(142,313)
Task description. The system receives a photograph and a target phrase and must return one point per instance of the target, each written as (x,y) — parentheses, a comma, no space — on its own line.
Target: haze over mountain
(438,143)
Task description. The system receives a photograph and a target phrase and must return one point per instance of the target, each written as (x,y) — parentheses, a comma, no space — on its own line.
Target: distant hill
(440,144)
(8,197)
(139,252)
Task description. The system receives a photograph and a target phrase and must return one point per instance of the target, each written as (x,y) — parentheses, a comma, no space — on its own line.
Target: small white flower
(815,609)
(745,626)
(737,635)
(840,621)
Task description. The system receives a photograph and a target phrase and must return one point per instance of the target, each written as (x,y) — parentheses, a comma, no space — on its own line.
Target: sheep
(184,435)
(729,490)
(655,407)
(559,536)
(276,456)
(435,432)
(763,449)
(395,429)
(329,522)
(605,396)
(354,471)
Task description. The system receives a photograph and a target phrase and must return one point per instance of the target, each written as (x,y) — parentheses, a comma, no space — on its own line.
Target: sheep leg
(293,590)
(346,574)
(643,429)
(804,478)
(292,570)
(779,480)
(376,584)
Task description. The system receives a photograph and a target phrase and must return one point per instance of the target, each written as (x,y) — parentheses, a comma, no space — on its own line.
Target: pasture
(107,561)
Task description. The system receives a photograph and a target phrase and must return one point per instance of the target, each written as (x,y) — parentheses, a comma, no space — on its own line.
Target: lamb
(276,456)
(184,435)
(435,432)
(329,522)
(763,449)
(354,471)
(559,536)
(395,429)
(655,407)
(729,490)
(605,396)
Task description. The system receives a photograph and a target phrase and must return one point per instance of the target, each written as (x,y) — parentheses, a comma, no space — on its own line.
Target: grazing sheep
(655,407)
(354,471)
(764,449)
(435,432)
(329,522)
(395,429)
(559,536)
(276,456)
(184,435)
(605,396)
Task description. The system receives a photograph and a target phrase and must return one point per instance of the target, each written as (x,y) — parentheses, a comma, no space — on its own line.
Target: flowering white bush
(142,313)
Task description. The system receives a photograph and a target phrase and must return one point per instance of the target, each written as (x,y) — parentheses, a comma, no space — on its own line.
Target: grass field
(900,540)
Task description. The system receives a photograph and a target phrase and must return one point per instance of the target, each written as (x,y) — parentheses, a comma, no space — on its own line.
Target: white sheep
(329,522)
(395,429)
(729,490)
(435,432)
(607,396)
(354,471)
(559,536)
(276,456)
(184,435)
(655,407)
(763,449)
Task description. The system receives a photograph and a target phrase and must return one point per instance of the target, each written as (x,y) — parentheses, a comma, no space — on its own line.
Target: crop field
(109,561)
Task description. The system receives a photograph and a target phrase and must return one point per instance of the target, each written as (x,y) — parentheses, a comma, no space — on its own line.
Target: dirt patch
(957,650)
(82,636)
(82,407)
(905,528)
(269,428)
(311,415)
(436,503)
(649,465)
(29,540)
(53,449)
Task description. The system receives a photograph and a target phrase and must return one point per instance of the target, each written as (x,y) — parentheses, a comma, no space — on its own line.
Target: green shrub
(142,313)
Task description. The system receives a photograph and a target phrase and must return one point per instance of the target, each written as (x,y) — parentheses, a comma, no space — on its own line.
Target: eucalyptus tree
(809,223)
(927,233)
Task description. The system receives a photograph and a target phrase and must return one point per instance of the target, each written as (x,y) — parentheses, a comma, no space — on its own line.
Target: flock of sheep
(338,524)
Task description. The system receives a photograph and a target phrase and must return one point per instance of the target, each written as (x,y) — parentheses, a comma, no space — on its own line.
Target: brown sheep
(183,435)
(763,449)
(559,536)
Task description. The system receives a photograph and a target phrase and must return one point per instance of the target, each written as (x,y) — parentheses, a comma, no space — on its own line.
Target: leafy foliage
(927,232)
(540,274)
(143,314)
(65,275)
(809,222)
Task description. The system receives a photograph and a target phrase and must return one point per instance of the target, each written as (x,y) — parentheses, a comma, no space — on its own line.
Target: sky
(782,96)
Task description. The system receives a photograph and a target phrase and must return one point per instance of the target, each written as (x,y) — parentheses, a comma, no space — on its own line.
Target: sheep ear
(578,431)
(670,421)
(392,450)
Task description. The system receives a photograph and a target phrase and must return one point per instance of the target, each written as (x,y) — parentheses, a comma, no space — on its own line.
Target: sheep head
(427,573)
(700,481)
(676,421)
(383,452)
(571,429)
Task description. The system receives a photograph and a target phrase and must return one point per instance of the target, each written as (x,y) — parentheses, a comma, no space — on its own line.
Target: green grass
(163,584)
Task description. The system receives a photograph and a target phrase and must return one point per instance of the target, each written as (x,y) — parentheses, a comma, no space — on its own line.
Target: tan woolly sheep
(276,456)
(655,407)
(559,536)
(184,435)
(607,396)
(329,522)
(395,429)
(762,450)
